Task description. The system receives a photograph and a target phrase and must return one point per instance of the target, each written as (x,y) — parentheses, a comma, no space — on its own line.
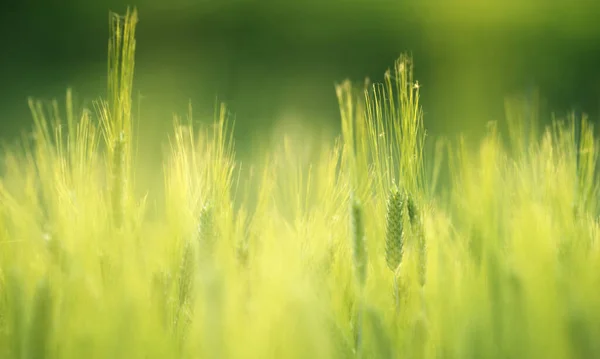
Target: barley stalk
(119,179)
(40,325)
(359,251)
(16,314)
(359,248)
(380,339)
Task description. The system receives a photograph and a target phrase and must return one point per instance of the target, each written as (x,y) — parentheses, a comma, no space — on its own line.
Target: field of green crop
(380,244)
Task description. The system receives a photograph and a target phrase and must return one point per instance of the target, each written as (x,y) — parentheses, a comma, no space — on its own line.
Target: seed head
(206,231)
(394,243)
(422,251)
(186,273)
(413,212)
(417,235)
(358,240)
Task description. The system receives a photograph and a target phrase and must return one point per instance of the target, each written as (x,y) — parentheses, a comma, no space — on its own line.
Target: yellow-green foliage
(346,249)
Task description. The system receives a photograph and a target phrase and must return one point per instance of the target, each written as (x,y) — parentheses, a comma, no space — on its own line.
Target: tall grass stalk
(360,259)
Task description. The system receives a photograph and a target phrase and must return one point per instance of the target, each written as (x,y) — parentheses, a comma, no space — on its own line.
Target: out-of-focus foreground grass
(310,249)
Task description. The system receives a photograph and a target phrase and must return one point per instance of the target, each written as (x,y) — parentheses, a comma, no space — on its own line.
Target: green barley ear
(359,251)
(186,279)
(186,273)
(394,245)
(413,211)
(358,240)
(419,236)
(206,231)
(40,325)
(115,113)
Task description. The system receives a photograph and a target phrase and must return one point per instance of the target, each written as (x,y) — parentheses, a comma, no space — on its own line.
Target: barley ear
(419,236)
(413,211)
(206,232)
(186,281)
(394,245)
(186,273)
(359,249)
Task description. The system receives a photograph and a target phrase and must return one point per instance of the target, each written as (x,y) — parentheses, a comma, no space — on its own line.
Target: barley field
(382,243)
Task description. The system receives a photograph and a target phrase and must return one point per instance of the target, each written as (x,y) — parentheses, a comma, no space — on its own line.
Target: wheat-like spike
(418,235)
(186,273)
(394,243)
(186,282)
(358,240)
(413,212)
(422,250)
(359,251)
(206,231)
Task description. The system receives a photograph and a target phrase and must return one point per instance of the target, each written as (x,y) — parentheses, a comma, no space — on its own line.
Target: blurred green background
(277,61)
